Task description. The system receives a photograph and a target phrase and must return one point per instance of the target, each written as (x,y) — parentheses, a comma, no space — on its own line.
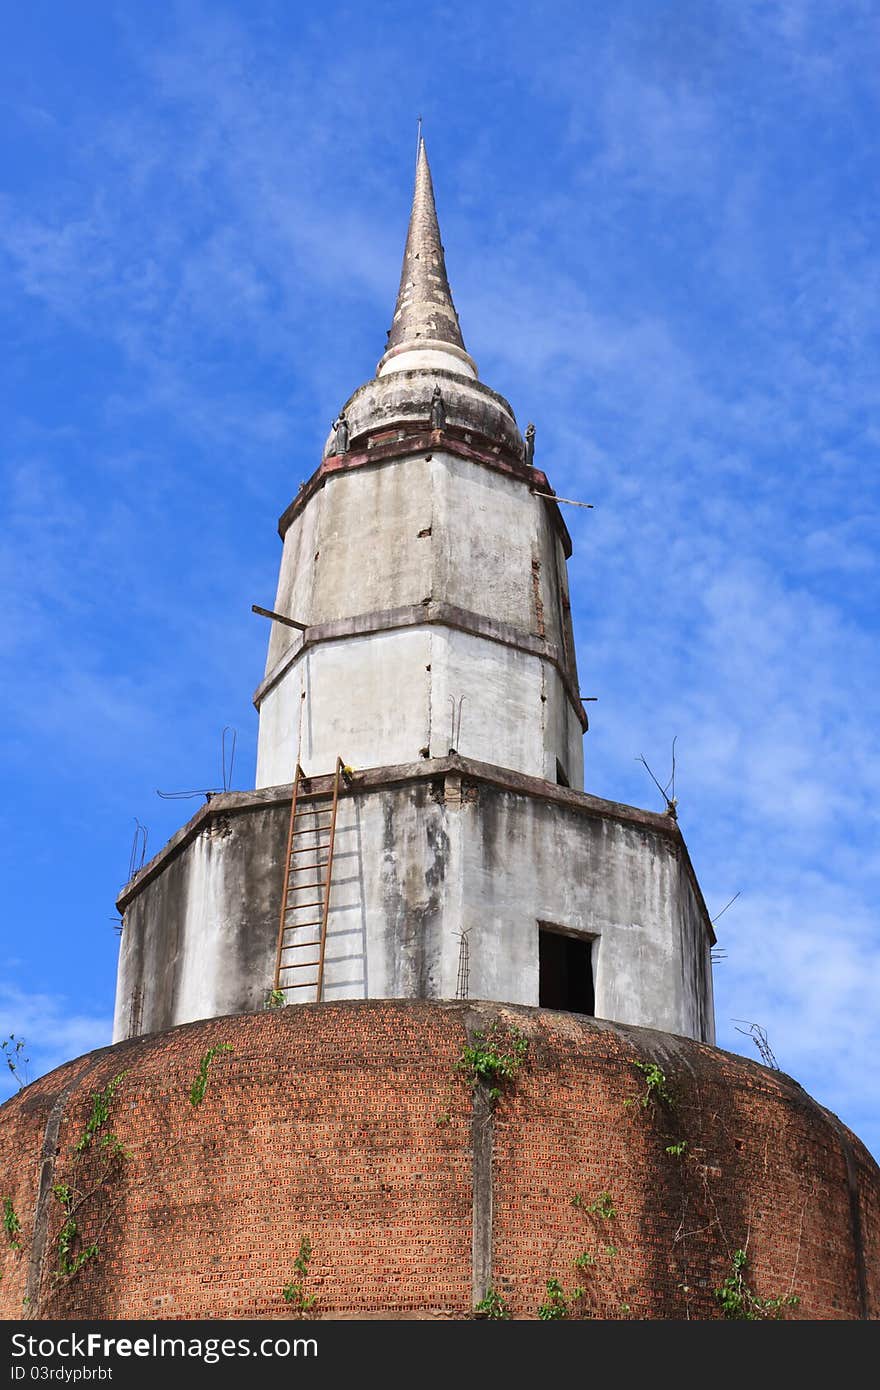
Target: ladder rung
(302,965)
(306,984)
(294,907)
(305,849)
(299,887)
(313,811)
(300,926)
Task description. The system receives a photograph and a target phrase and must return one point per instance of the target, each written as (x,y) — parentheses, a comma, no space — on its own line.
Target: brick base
(349,1125)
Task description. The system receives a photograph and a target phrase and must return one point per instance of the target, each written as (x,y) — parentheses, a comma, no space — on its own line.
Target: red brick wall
(762,1170)
(323,1121)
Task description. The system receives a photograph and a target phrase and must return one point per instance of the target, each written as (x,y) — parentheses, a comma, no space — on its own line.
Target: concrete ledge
(425,614)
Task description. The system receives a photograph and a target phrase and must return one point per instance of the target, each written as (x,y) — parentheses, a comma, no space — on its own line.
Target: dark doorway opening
(565,972)
(561,778)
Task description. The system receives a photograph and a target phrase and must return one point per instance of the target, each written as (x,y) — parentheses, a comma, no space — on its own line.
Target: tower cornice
(389,445)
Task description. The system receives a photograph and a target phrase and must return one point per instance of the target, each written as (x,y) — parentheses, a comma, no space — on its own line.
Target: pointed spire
(425,321)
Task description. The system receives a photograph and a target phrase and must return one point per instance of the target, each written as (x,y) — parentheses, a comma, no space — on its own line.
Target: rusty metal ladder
(305,870)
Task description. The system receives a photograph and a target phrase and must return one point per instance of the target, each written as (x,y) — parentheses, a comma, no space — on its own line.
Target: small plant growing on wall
(200,1085)
(11,1224)
(98,1117)
(555,1305)
(97,1154)
(294,1292)
(602,1206)
(738,1301)
(656,1086)
(494,1058)
(596,1264)
(493,1305)
(72,1254)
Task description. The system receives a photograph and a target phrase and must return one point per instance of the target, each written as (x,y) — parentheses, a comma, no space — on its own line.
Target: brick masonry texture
(323,1121)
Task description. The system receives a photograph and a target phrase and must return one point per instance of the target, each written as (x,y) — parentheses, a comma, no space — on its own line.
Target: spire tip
(425,316)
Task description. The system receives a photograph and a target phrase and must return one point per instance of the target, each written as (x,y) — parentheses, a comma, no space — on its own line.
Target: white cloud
(53,1030)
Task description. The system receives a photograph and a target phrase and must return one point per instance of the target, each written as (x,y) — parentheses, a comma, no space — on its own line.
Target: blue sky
(661,233)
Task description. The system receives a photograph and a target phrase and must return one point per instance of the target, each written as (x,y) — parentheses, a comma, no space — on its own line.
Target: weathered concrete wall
(196,937)
(422,580)
(528,861)
(323,1121)
(423,851)
(354,697)
(398,691)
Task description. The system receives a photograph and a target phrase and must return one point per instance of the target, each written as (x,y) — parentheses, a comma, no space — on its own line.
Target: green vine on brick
(738,1301)
(276,999)
(560,1304)
(72,1253)
(603,1205)
(555,1305)
(493,1305)
(101,1102)
(494,1058)
(294,1293)
(11,1223)
(656,1086)
(200,1085)
(70,1260)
